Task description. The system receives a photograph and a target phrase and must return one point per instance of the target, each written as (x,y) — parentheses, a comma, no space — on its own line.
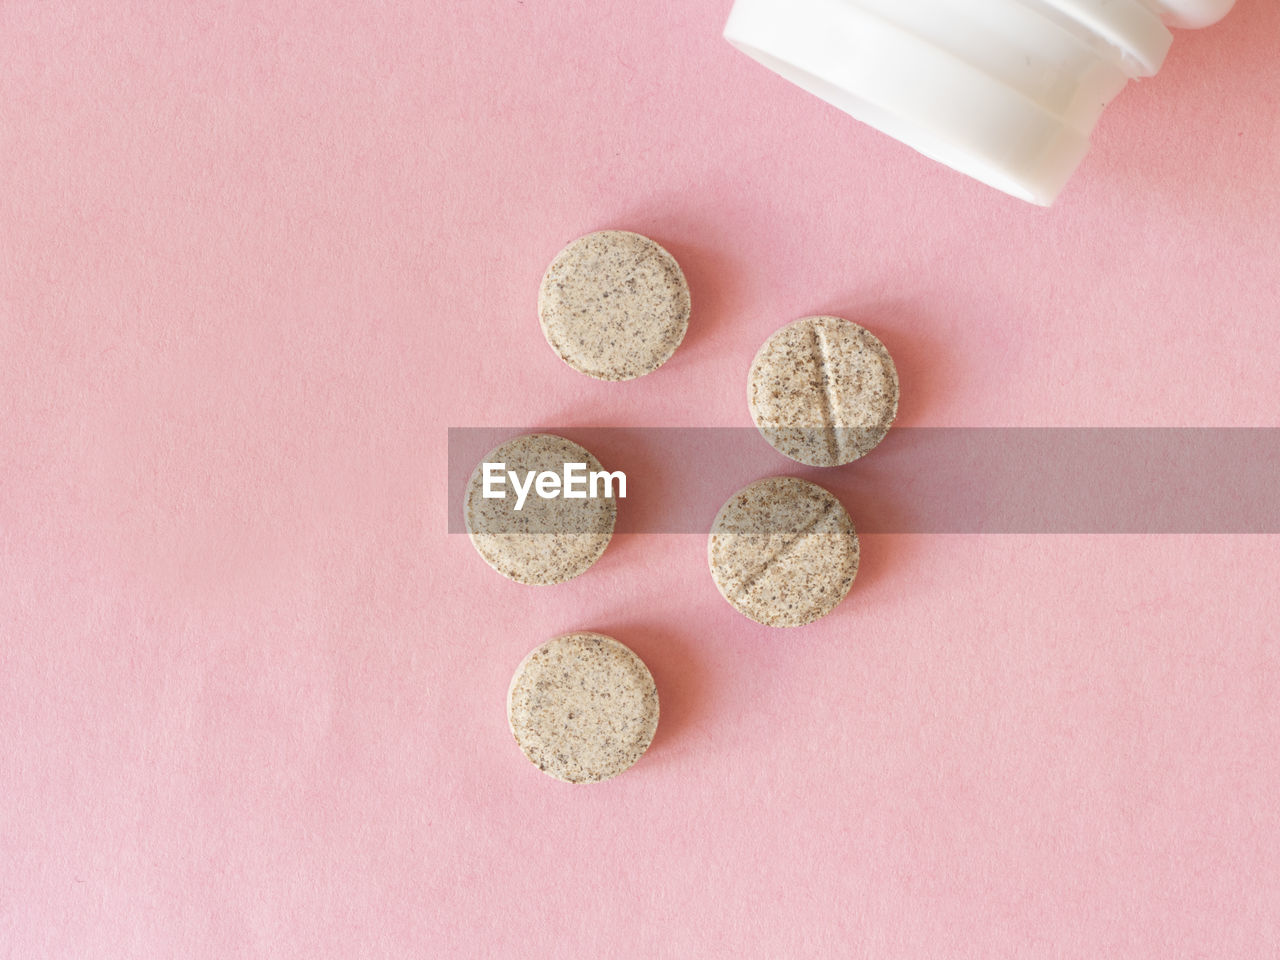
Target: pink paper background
(255,258)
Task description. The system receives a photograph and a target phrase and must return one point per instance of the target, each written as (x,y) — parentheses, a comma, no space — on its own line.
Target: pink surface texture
(256,258)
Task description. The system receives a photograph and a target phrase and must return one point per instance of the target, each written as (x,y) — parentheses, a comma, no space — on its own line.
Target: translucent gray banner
(940,480)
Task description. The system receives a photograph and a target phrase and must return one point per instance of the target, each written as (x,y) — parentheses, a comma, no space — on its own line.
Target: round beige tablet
(823,391)
(539,539)
(583,707)
(783,551)
(614,305)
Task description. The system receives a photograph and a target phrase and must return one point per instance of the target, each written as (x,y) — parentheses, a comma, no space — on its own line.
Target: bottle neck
(1006,91)
(1191,14)
(1128,33)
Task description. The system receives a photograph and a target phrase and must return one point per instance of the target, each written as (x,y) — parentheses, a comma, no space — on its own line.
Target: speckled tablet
(783,552)
(614,305)
(547,540)
(823,391)
(583,707)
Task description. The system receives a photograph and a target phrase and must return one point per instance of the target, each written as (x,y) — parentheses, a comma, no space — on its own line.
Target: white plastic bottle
(1006,91)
